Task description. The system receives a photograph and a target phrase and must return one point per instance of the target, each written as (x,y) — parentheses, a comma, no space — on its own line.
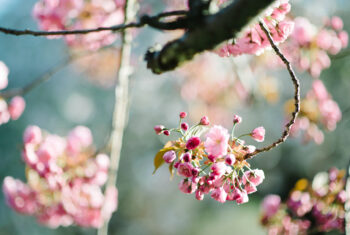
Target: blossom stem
(296,84)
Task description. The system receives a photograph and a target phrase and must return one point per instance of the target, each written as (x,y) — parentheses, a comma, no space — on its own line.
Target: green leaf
(171,170)
(158,159)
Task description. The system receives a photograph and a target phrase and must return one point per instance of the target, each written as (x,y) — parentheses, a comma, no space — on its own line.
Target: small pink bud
(193,142)
(258,134)
(230,159)
(158,129)
(176,165)
(211,158)
(237,119)
(169,156)
(16,107)
(166,132)
(204,121)
(183,115)
(186,157)
(184,126)
(32,135)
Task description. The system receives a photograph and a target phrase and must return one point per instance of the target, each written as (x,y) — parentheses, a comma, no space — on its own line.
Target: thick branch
(115,28)
(211,31)
(119,121)
(296,84)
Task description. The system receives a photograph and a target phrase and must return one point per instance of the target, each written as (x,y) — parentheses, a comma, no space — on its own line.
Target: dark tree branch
(141,23)
(295,81)
(208,33)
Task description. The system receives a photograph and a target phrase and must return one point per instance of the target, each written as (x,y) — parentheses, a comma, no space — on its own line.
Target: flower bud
(193,142)
(237,119)
(204,121)
(184,126)
(169,156)
(166,132)
(230,159)
(183,115)
(158,129)
(186,157)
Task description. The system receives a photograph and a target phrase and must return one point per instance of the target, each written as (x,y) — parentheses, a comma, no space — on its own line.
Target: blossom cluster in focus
(310,207)
(216,165)
(64,180)
(55,15)
(14,108)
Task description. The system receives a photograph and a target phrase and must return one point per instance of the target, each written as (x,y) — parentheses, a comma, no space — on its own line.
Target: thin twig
(121,104)
(295,81)
(46,75)
(115,28)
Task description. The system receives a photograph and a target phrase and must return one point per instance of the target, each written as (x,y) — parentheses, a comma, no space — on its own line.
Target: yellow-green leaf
(171,170)
(158,159)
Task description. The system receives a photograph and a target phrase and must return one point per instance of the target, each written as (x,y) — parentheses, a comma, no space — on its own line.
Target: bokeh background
(152,204)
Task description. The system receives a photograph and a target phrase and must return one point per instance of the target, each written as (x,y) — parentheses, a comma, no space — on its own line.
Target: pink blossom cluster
(254,40)
(316,207)
(215,166)
(81,14)
(15,107)
(308,47)
(317,109)
(64,180)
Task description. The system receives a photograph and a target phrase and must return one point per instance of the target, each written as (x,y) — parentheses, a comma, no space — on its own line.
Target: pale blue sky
(5,5)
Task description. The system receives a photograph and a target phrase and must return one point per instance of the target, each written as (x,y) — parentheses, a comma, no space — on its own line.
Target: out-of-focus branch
(7,94)
(120,114)
(205,34)
(146,20)
(296,84)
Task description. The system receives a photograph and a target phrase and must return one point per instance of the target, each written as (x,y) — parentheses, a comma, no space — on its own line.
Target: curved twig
(296,83)
(115,28)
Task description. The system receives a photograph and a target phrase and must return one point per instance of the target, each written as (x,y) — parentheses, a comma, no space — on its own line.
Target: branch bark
(210,31)
(296,84)
(121,103)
